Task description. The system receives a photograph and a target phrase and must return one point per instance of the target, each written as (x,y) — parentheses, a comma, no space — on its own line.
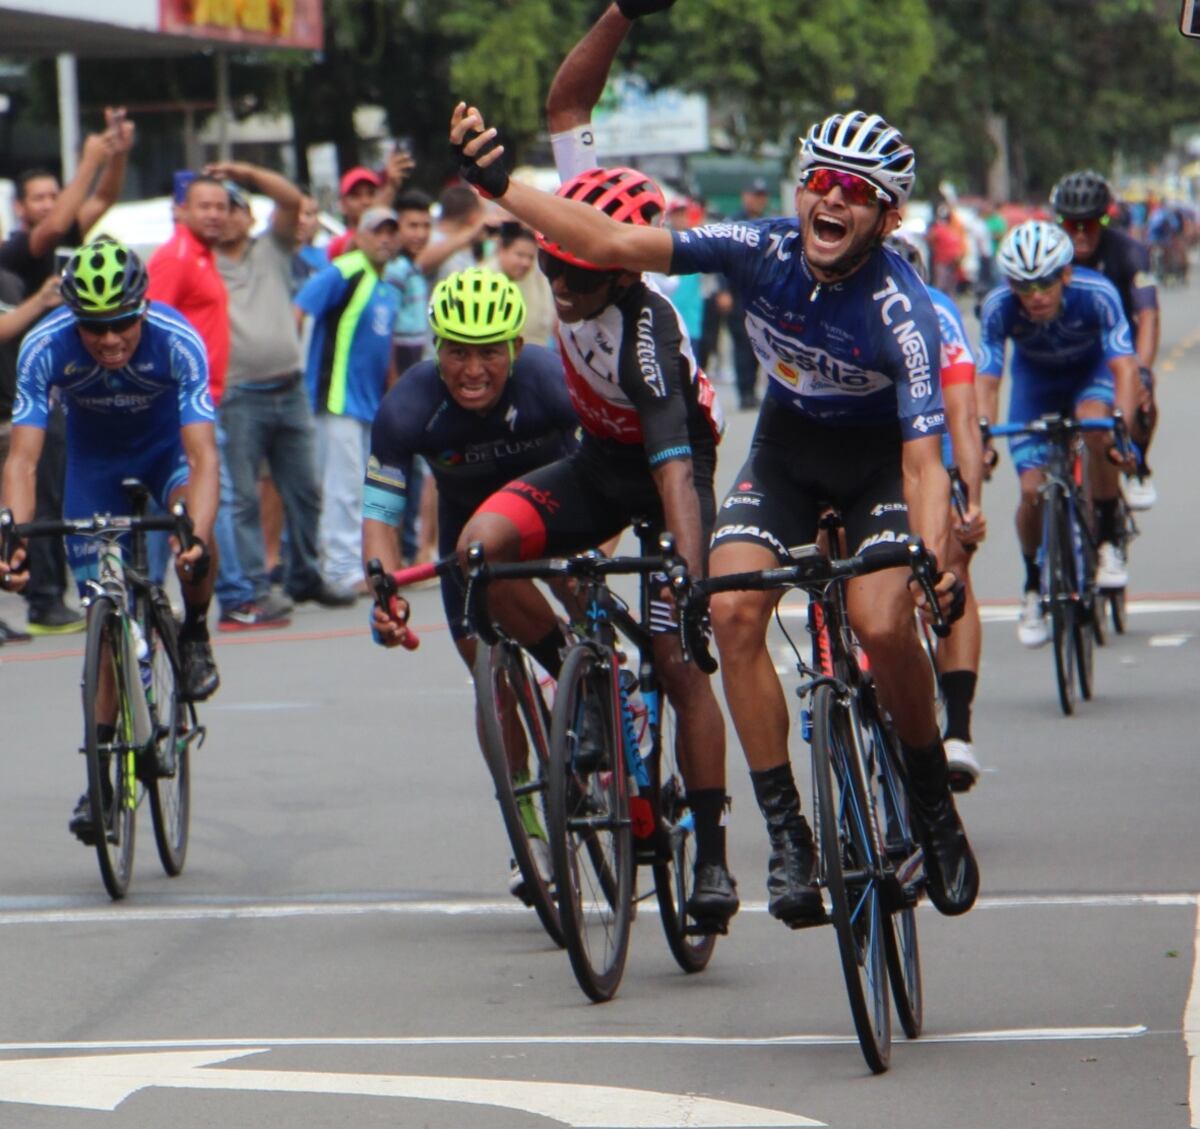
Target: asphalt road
(340,949)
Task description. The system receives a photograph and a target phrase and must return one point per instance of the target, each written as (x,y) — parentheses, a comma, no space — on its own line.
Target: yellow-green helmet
(104,278)
(476,306)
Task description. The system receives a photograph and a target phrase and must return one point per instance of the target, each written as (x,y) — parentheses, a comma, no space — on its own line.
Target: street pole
(68,115)
(224,150)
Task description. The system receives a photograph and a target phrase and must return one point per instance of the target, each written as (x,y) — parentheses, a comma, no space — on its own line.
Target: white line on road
(1191,1030)
(335,906)
(1008,612)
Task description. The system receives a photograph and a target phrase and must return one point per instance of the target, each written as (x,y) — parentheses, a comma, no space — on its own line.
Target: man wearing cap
(349,368)
(362,188)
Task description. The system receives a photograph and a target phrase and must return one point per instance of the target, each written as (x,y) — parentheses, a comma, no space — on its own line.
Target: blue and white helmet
(1034,249)
(863,144)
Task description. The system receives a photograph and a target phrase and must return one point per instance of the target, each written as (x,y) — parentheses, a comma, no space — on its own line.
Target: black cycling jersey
(1126,264)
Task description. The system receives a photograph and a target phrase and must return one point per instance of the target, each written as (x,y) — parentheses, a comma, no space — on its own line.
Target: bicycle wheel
(168,763)
(1087,626)
(111,770)
(1062,606)
(1116,607)
(850,871)
(890,788)
(673,875)
(591,837)
(514,736)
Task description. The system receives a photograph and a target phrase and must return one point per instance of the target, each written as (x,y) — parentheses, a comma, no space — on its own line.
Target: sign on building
(631,120)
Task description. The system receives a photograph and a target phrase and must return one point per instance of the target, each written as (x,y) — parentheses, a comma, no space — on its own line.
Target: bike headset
(1083,195)
(477,306)
(625,195)
(104,281)
(867,147)
(1033,250)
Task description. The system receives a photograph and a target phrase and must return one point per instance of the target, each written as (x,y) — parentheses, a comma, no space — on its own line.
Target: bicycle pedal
(960,781)
(808,922)
(706,928)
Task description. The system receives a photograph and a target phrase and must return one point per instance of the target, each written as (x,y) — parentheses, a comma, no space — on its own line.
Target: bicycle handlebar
(386,585)
(177,522)
(1065,425)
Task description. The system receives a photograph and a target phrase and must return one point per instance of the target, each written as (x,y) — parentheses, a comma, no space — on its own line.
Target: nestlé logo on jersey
(739,233)
(908,336)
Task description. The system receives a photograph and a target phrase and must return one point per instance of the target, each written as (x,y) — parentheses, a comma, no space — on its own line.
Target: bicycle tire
(169,776)
(502,674)
(889,782)
(1116,608)
(1087,625)
(674,876)
(848,836)
(591,836)
(1059,598)
(112,779)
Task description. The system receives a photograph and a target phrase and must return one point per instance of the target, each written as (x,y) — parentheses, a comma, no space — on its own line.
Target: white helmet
(906,246)
(1034,249)
(863,144)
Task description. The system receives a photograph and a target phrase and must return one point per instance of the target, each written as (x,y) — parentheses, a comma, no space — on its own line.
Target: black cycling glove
(632,9)
(491,181)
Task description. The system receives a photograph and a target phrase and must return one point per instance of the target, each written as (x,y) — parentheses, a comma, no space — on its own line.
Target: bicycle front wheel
(111,762)
(1116,606)
(591,836)
(1063,611)
(169,774)
(514,735)
(850,871)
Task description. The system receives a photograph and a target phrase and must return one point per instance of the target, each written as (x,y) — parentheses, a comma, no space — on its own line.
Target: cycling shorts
(93,486)
(1034,395)
(798,467)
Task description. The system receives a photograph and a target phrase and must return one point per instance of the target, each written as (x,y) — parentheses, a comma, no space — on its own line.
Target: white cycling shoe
(962,767)
(1033,628)
(1140,493)
(1110,567)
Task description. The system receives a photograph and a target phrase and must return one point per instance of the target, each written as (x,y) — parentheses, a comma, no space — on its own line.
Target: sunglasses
(1036,285)
(115,325)
(854,188)
(579,280)
(1082,227)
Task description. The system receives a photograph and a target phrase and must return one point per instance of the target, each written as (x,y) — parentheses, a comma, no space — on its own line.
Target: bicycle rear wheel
(591,836)
(850,870)
(111,769)
(674,876)
(168,763)
(514,735)
(1116,607)
(1062,607)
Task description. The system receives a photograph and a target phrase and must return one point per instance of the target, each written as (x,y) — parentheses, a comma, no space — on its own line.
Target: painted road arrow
(103,1082)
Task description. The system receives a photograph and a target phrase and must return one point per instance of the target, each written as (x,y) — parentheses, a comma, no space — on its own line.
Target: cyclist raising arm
(848,336)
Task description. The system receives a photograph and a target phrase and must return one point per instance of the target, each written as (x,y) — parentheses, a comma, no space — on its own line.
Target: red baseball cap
(357,176)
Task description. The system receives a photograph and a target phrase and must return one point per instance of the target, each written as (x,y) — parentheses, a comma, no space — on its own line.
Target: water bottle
(142,650)
(633,715)
(135,648)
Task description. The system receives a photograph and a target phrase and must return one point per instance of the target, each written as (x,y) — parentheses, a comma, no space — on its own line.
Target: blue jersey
(859,352)
(1089,330)
(471,455)
(115,413)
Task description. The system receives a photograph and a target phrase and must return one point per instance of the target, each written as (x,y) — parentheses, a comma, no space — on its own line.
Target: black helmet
(1081,195)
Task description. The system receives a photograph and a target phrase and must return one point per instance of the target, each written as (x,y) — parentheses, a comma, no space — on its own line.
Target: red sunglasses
(854,188)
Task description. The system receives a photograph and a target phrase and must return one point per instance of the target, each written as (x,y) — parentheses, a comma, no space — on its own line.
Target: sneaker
(10,634)
(962,769)
(952,875)
(321,593)
(714,898)
(200,676)
(254,617)
(82,825)
(1033,628)
(541,859)
(1110,567)
(1140,493)
(57,619)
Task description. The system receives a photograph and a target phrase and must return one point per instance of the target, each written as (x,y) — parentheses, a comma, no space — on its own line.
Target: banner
(261,23)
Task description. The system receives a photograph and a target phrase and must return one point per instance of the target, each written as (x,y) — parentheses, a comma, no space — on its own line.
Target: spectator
(349,368)
(460,226)
(309,258)
(361,188)
(183,274)
(516,257)
(265,413)
(51,217)
(687,291)
(947,249)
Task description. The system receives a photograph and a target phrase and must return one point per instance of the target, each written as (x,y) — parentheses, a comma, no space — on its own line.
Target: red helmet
(625,194)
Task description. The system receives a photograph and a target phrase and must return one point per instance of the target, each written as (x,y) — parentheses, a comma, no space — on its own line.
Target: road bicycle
(132,682)
(614,799)
(513,722)
(1067,554)
(869,860)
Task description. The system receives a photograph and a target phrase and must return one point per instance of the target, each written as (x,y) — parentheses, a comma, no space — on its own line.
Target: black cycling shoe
(792,895)
(590,744)
(714,898)
(950,868)
(82,825)
(200,677)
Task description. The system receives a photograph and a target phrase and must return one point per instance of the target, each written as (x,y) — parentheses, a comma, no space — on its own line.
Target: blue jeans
(276,426)
(233,588)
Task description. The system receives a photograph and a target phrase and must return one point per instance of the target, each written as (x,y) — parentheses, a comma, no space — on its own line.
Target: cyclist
(133,375)
(847,334)
(485,409)
(1083,201)
(962,447)
(1072,355)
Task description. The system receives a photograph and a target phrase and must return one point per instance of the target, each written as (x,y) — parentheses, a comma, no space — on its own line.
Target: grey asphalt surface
(343,906)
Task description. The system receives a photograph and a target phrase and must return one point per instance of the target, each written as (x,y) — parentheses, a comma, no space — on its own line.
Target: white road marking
(1191,1030)
(1169,640)
(103,1082)
(1008,613)
(337,907)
